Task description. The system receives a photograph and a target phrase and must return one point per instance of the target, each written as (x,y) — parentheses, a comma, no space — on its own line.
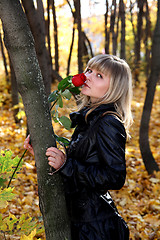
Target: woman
(95,160)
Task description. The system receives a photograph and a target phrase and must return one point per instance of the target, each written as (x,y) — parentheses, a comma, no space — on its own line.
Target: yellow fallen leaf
(152,220)
(30,236)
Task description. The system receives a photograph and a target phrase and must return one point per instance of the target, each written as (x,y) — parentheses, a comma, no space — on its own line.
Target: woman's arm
(56,158)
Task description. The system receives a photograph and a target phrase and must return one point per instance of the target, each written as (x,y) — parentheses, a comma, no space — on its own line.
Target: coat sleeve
(108,170)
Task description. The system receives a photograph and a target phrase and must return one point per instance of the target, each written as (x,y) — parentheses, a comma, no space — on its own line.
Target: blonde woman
(95,159)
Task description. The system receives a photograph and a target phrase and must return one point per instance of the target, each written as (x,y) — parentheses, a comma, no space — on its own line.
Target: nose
(86,74)
(89,76)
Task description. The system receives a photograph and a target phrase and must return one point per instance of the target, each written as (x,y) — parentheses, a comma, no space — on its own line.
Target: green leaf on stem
(55,119)
(66,82)
(53,112)
(53,96)
(54,116)
(66,122)
(60,102)
(62,140)
(67,94)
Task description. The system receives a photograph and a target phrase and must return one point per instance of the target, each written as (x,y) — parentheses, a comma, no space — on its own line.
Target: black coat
(95,164)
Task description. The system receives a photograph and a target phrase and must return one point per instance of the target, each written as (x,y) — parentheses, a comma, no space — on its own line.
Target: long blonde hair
(120,88)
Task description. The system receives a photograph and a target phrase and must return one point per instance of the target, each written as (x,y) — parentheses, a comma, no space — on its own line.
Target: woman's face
(96,85)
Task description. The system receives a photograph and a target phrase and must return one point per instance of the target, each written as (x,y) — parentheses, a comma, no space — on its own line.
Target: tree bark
(123,29)
(73,35)
(140,4)
(56,57)
(77,5)
(116,34)
(147,156)
(48,31)
(134,34)
(40,12)
(86,55)
(4,59)
(89,48)
(20,45)
(14,92)
(84,45)
(38,31)
(146,40)
(71,48)
(112,25)
(48,75)
(132,21)
(107,33)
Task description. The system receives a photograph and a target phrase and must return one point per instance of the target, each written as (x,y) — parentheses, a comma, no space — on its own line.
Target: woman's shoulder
(111,123)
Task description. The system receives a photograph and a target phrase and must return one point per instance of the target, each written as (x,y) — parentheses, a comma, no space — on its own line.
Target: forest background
(72,33)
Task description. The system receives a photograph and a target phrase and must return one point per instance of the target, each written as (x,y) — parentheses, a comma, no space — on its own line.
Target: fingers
(27,145)
(54,149)
(56,157)
(55,153)
(27,139)
(26,142)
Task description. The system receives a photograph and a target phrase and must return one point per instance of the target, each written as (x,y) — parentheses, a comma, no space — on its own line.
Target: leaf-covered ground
(138,201)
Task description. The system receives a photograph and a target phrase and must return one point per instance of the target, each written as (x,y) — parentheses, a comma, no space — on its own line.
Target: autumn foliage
(138,201)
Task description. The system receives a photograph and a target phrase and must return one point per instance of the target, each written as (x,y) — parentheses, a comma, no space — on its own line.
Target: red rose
(78,79)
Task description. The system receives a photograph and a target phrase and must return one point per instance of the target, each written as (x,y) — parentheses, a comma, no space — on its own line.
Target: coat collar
(78,118)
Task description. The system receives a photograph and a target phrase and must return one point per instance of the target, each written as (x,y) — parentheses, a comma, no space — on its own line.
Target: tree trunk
(20,45)
(140,4)
(38,32)
(40,12)
(73,36)
(86,55)
(123,29)
(89,48)
(55,37)
(146,40)
(41,19)
(147,156)
(84,45)
(48,31)
(71,48)
(116,34)
(77,5)
(132,21)
(112,25)
(106,46)
(14,92)
(135,36)
(4,59)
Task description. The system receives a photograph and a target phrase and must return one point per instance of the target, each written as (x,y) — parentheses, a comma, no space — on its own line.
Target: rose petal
(78,79)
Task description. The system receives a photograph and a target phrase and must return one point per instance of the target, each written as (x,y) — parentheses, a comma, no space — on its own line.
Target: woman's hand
(56,157)
(28,146)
